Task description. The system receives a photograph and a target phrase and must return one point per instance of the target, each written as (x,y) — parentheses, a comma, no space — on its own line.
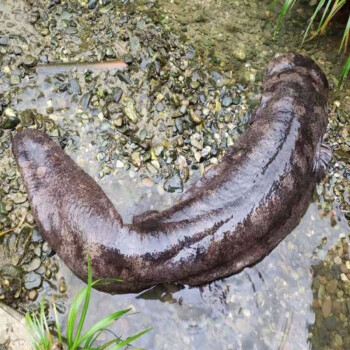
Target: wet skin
(232,218)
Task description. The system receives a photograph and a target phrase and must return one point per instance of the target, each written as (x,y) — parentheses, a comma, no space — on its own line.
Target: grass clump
(325,11)
(75,338)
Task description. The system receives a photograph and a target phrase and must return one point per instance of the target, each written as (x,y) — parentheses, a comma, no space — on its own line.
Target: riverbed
(145,135)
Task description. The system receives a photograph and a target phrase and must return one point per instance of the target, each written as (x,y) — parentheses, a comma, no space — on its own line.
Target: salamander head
(297,62)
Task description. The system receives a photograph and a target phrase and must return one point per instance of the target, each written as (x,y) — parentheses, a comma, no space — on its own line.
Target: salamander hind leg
(323,157)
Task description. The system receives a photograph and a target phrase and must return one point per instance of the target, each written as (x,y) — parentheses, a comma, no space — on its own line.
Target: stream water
(208,51)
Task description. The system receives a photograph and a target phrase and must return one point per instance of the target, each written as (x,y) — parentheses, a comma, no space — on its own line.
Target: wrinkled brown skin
(232,218)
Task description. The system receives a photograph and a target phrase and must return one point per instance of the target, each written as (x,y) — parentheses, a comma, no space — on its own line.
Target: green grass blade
(324,21)
(287,6)
(130,339)
(345,71)
(312,19)
(346,33)
(324,15)
(38,329)
(105,322)
(86,305)
(58,326)
(73,311)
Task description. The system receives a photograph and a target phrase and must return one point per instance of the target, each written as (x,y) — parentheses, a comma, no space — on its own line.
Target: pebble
(147,182)
(33,294)
(135,159)
(118,95)
(32,280)
(131,112)
(196,141)
(326,307)
(4,40)
(226,101)
(33,265)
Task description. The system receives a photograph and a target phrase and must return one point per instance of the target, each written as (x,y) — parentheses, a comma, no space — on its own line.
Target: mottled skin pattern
(232,218)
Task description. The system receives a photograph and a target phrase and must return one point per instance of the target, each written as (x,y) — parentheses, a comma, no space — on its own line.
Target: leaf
(130,339)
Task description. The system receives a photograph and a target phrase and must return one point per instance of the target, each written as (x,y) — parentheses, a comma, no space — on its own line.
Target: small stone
(32,280)
(29,61)
(4,40)
(195,118)
(195,84)
(226,101)
(9,123)
(33,294)
(343,277)
(135,159)
(337,260)
(63,286)
(33,265)
(326,307)
(331,323)
(92,4)
(85,101)
(15,80)
(118,95)
(74,87)
(344,269)
(71,30)
(331,286)
(147,182)
(9,112)
(19,199)
(131,112)
(338,339)
(239,54)
(160,107)
(196,141)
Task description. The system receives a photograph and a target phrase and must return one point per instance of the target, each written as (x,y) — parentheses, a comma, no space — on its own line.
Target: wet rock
(33,294)
(92,4)
(30,61)
(195,118)
(331,286)
(32,280)
(85,101)
(196,141)
(326,307)
(10,121)
(62,286)
(131,112)
(239,54)
(4,40)
(33,265)
(135,159)
(147,182)
(74,87)
(226,101)
(118,95)
(331,323)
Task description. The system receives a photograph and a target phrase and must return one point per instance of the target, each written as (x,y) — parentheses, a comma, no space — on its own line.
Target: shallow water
(267,306)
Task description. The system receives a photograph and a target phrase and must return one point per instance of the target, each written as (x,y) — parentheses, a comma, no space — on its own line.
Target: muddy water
(267,306)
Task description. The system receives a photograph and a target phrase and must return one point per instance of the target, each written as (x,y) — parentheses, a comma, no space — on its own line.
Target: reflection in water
(264,307)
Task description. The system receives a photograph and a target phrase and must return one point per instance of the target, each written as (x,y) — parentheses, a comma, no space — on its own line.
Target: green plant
(328,9)
(75,338)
